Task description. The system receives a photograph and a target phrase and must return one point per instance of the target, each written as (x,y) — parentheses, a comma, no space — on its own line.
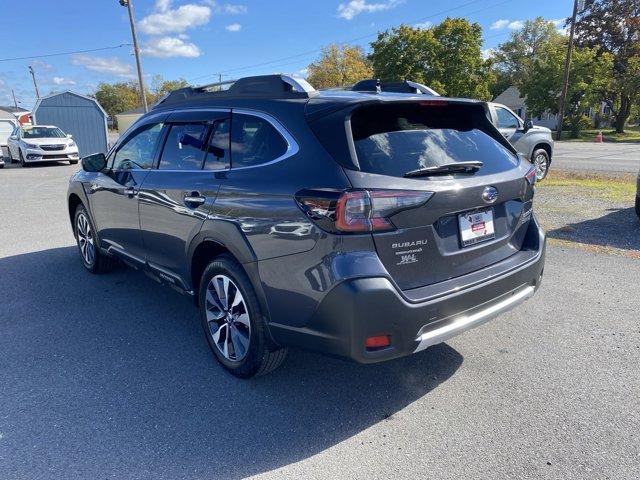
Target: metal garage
(79,115)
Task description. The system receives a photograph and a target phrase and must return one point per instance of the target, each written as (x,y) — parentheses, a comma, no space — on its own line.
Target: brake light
(531,176)
(358,211)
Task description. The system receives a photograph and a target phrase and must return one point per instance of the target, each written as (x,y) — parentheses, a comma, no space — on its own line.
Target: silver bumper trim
(467,322)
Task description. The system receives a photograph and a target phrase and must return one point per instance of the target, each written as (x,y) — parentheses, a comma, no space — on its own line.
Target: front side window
(184,148)
(506,119)
(254,141)
(137,151)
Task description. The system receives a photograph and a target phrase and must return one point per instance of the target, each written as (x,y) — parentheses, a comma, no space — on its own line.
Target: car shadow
(620,228)
(111,376)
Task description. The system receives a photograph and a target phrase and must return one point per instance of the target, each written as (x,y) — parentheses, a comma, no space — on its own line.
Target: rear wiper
(455,167)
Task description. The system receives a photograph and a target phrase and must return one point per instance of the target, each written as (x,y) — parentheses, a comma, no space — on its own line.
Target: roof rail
(262,86)
(374,85)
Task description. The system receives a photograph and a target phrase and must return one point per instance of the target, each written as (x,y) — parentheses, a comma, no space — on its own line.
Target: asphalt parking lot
(110,377)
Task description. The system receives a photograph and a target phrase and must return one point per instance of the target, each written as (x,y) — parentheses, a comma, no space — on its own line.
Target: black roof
(278,91)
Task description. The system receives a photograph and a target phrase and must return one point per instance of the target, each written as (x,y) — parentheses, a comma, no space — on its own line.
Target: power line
(353,40)
(65,53)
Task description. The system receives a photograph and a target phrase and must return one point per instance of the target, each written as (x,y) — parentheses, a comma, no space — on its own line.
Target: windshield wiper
(455,167)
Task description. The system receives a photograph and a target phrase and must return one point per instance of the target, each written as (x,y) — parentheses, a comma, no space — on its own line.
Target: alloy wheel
(540,162)
(86,239)
(227,318)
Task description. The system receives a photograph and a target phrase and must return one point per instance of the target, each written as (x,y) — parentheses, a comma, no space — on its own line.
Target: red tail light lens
(357,211)
(379,341)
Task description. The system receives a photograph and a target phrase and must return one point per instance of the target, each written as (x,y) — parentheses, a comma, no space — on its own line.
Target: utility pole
(567,67)
(15,102)
(35,84)
(143,97)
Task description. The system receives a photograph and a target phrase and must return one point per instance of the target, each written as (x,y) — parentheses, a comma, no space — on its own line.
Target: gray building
(75,114)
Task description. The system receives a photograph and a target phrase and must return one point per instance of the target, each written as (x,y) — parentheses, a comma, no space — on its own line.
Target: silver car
(41,143)
(535,143)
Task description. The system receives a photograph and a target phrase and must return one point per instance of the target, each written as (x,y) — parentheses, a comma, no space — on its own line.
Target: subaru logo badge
(490,194)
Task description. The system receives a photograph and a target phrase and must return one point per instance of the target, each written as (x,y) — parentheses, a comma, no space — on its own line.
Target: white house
(511,98)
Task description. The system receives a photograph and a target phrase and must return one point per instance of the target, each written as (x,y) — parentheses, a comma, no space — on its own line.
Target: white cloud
(227,8)
(168,20)
(303,72)
(355,7)
(505,23)
(166,47)
(499,24)
(423,25)
(559,23)
(40,65)
(163,5)
(62,81)
(487,53)
(234,27)
(110,65)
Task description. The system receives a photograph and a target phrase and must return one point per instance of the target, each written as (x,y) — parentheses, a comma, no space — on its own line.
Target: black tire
(10,157)
(23,163)
(638,206)
(73,162)
(541,153)
(261,356)
(101,262)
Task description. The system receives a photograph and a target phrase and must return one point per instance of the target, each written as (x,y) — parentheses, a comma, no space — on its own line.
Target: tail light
(531,176)
(358,211)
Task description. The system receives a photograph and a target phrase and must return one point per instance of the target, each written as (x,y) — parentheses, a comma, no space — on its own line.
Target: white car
(41,143)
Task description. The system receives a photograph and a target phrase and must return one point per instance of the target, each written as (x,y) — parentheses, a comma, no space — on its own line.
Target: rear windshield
(395,139)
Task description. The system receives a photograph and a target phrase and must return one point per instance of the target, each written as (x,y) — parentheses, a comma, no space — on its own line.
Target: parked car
(41,143)
(7,125)
(534,142)
(363,225)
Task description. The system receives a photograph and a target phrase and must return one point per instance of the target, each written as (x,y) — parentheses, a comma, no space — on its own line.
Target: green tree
(589,80)
(613,26)
(161,87)
(447,58)
(338,66)
(117,97)
(514,60)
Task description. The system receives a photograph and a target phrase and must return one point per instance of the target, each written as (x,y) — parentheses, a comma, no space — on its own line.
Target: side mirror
(528,125)
(69,135)
(94,163)
(13,137)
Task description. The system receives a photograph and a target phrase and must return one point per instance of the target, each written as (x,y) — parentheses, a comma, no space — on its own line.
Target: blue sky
(197,39)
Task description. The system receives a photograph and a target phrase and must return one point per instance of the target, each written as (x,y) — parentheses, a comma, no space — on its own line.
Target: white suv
(41,143)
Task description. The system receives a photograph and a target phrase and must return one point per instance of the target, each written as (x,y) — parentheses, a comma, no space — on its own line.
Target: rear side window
(218,148)
(184,148)
(395,139)
(254,141)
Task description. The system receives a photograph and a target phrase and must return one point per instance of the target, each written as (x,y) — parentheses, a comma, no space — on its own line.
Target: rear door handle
(130,191)
(194,199)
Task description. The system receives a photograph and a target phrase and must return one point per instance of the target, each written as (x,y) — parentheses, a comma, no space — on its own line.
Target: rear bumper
(362,307)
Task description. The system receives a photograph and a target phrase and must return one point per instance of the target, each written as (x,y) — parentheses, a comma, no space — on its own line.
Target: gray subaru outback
(367,225)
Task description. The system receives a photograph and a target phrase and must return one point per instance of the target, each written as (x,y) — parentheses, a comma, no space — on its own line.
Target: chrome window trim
(292,146)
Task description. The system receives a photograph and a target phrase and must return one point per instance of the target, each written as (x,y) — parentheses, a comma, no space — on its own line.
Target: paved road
(110,377)
(598,157)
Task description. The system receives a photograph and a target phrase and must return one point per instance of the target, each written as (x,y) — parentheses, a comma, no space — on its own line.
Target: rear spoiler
(407,86)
